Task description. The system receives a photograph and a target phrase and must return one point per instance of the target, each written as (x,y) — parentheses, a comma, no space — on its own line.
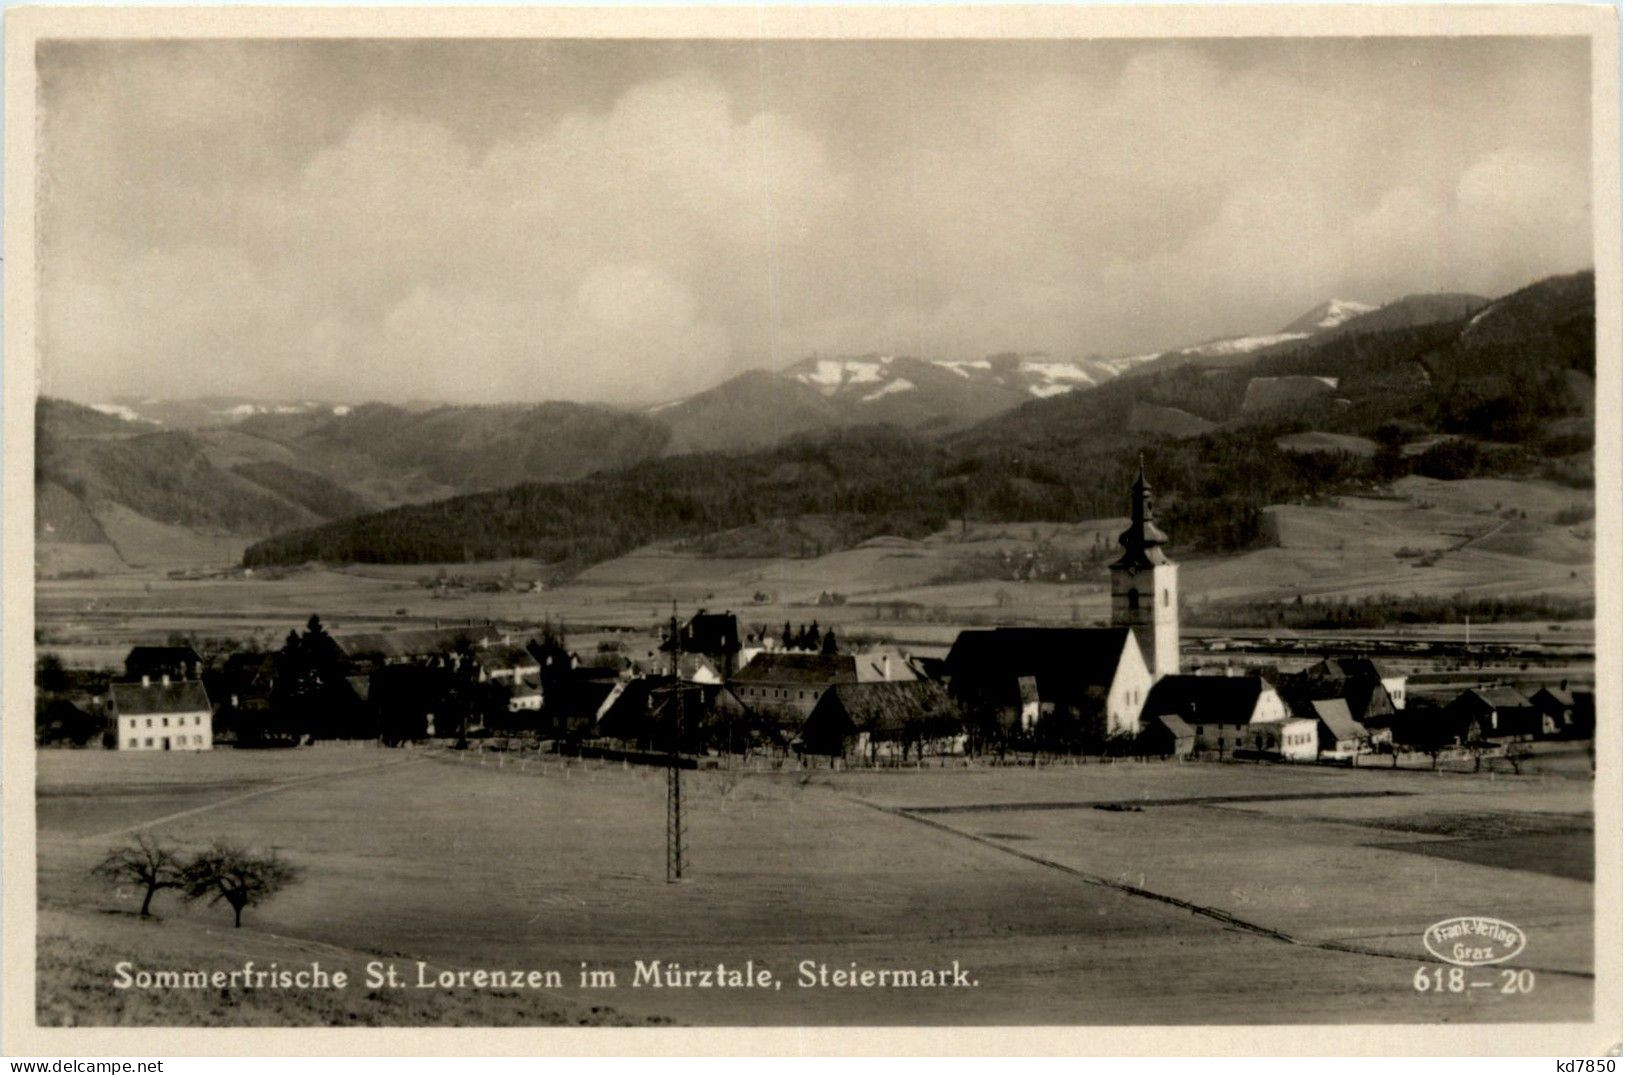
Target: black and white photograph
(815,520)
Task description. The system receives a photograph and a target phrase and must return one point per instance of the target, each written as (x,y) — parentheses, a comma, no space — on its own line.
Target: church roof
(1057,657)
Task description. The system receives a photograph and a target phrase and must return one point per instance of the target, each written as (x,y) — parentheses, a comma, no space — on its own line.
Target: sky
(627,222)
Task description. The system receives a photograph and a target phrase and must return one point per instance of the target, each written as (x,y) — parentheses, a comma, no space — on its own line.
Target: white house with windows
(161,715)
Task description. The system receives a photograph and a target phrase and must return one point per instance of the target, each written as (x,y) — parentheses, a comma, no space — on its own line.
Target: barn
(871,721)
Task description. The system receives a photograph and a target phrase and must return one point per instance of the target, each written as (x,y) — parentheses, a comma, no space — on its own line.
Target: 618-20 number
(1454,980)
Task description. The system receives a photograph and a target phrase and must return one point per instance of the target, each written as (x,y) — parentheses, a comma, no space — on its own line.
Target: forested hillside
(1506,391)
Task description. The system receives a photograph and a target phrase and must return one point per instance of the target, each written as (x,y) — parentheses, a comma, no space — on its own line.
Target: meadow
(1205,893)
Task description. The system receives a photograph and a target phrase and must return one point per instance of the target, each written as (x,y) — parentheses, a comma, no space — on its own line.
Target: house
(1218,709)
(1091,681)
(1341,736)
(1563,712)
(642,712)
(506,663)
(884,664)
(1375,696)
(698,668)
(1585,714)
(791,683)
(1167,735)
(1486,714)
(869,721)
(162,714)
(573,706)
(155,662)
(710,634)
(524,694)
(1289,738)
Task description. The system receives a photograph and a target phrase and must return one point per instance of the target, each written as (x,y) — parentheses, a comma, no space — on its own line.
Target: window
(131,743)
(149,741)
(165,721)
(1165,599)
(149,724)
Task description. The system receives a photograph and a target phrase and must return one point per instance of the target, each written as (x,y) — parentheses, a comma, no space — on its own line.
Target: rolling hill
(1524,361)
(117,489)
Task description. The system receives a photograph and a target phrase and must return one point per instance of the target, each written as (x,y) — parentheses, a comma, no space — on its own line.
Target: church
(1015,679)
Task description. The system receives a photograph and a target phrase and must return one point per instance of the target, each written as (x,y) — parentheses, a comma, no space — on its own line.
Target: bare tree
(145,861)
(237,876)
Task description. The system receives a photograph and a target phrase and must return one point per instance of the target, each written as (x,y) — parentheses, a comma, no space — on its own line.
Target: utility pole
(674,770)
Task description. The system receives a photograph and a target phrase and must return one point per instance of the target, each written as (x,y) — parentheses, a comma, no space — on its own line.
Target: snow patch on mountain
(1241,345)
(901,384)
(963,367)
(117,410)
(1058,371)
(828,375)
(1044,391)
(1337,311)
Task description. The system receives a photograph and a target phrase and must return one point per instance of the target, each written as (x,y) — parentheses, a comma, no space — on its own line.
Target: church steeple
(1145,585)
(1142,542)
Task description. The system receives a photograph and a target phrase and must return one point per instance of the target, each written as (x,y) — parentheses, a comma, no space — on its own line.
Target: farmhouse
(642,713)
(161,715)
(524,694)
(1341,736)
(1564,713)
(509,664)
(1218,709)
(1290,738)
(713,635)
(698,668)
(870,721)
(1485,714)
(1168,736)
(791,682)
(575,703)
(1091,678)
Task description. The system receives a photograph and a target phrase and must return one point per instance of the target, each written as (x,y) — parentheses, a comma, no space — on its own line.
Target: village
(709,691)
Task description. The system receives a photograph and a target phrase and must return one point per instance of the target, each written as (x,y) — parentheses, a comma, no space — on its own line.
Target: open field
(1429,537)
(1235,894)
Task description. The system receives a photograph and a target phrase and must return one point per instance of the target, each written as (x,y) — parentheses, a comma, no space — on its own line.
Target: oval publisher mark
(1473,940)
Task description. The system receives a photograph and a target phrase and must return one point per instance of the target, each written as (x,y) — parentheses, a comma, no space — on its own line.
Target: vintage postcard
(812,530)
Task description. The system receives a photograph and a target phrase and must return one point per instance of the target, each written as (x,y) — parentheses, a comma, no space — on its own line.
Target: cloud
(641,222)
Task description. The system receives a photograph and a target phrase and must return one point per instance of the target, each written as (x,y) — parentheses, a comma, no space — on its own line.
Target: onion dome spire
(1142,542)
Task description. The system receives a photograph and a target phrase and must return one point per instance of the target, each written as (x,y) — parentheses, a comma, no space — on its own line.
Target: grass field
(1235,894)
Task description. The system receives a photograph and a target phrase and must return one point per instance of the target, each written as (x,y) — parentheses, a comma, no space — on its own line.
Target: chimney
(146,681)
(885,667)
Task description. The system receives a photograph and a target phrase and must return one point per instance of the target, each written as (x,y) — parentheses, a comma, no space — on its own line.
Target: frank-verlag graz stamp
(814,531)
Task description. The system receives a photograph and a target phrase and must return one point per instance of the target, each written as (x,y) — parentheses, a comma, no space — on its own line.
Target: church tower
(1145,586)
